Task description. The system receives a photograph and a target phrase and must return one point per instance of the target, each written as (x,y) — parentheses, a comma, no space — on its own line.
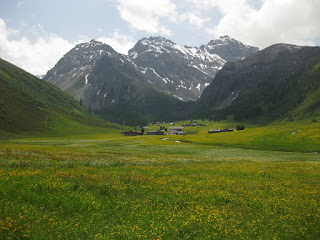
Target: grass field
(259,183)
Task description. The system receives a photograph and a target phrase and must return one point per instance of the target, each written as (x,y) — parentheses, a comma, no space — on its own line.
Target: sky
(35,34)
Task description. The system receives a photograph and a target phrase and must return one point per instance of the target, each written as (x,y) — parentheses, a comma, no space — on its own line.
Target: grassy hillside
(30,106)
(296,136)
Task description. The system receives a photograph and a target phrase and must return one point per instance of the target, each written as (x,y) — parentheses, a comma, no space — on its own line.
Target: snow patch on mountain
(180,98)
(198,87)
(86,79)
(154,71)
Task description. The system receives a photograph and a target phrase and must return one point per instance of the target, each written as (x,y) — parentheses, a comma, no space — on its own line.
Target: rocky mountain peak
(159,40)
(92,47)
(281,47)
(272,53)
(80,60)
(183,71)
(229,49)
(222,40)
(157,45)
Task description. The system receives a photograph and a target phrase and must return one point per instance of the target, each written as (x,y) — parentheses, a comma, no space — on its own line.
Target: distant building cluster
(221,130)
(172,131)
(177,130)
(193,124)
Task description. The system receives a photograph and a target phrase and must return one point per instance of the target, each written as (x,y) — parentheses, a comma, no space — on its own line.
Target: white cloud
(145,15)
(120,43)
(36,57)
(266,22)
(19,4)
(194,19)
(224,6)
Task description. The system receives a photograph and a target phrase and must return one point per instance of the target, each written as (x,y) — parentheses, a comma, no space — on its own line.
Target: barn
(176,130)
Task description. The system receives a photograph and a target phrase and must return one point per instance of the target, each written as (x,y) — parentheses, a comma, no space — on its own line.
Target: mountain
(110,85)
(229,49)
(182,71)
(30,106)
(269,84)
(148,84)
(76,72)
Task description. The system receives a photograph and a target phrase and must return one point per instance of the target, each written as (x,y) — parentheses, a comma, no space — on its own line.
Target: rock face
(184,72)
(268,83)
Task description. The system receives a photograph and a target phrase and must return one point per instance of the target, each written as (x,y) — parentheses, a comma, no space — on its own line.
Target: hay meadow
(259,183)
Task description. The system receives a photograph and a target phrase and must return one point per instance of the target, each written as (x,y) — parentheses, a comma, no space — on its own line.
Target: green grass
(102,185)
(297,136)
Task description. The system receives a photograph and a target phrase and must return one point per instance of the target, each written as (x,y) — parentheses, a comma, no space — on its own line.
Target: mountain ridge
(182,71)
(111,83)
(267,84)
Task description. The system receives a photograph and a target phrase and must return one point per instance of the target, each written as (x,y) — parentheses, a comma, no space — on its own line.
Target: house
(228,130)
(193,124)
(159,132)
(176,130)
(221,130)
(214,131)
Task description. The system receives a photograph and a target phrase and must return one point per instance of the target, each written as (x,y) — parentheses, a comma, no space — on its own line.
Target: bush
(240,127)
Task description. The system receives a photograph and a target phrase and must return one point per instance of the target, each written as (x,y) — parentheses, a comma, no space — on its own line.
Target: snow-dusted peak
(223,40)
(92,43)
(83,58)
(226,38)
(87,52)
(229,48)
(159,41)
(281,47)
(158,45)
(182,71)
(290,47)
(161,45)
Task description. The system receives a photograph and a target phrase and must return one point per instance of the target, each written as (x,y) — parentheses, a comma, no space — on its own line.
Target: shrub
(240,127)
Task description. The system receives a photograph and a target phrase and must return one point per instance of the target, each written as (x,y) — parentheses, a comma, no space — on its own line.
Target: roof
(176,127)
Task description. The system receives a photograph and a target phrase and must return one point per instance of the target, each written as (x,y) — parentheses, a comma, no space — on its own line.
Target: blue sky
(35,34)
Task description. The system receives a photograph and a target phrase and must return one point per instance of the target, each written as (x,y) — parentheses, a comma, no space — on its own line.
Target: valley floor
(201,186)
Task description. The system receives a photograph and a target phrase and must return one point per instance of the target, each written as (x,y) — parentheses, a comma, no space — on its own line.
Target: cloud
(194,19)
(265,22)
(120,43)
(36,57)
(224,6)
(19,4)
(145,15)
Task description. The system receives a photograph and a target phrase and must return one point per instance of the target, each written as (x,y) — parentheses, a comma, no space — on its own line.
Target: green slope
(30,106)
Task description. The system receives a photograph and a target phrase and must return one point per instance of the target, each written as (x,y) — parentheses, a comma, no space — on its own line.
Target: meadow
(258,183)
